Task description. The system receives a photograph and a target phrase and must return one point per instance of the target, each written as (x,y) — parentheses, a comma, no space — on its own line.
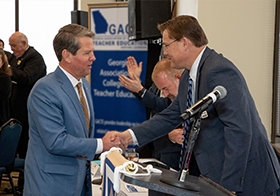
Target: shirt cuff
(134,139)
(99,147)
(143,93)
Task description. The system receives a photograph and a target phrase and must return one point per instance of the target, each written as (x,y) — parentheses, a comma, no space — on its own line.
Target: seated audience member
(165,82)
(2,44)
(27,66)
(5,88)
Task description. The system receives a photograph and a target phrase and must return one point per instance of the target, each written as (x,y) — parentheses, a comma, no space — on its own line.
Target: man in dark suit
(232,147)
(159,96)
(27,66)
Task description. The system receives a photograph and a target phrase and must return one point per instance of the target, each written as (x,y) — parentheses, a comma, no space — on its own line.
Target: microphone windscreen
(221,90)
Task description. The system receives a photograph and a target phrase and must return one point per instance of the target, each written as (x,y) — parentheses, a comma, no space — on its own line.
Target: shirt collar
(72,79)
(193,71)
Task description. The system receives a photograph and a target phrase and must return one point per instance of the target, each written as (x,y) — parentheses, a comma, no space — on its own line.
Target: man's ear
(66,55)
(178,76)
(186,42)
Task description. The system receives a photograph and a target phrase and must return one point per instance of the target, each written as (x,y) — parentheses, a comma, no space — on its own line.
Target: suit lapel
(200,66)
(69,90)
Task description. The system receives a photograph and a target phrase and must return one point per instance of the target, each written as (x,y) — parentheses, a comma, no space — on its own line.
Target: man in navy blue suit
(232,147)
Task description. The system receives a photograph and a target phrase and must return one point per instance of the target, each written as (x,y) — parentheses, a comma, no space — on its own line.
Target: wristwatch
(141,92)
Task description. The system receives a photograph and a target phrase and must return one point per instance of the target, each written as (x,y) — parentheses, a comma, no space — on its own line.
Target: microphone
(219,92)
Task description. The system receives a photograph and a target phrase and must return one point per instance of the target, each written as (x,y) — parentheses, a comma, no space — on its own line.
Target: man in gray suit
(62,142)
(232,148)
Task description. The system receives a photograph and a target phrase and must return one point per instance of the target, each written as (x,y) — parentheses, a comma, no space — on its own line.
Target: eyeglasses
(165,46)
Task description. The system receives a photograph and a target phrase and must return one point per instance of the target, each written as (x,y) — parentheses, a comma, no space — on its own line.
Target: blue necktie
(187,124)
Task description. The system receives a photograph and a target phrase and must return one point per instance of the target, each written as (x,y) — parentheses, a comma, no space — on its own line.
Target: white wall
(243,31)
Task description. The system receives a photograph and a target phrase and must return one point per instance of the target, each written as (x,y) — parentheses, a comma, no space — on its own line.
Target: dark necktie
(186,125)
(83,103)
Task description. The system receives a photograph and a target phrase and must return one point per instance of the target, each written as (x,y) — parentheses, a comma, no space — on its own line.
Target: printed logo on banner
(115,107)
(101,23)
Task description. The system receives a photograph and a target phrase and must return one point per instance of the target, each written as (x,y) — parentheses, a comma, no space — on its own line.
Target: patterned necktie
(83,103)
(187,124)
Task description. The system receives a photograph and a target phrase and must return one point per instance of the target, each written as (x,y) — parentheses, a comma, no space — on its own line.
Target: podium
(156,187)
(153,182)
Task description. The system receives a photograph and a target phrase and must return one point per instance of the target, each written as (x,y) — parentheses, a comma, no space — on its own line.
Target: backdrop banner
(115,107)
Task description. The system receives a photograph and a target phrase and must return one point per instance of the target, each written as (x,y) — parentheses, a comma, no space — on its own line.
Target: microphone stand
(186,159)
(189,148)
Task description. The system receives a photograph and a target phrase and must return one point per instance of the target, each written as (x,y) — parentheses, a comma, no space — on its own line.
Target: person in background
(62,144)
(2,44)
(5,88)
(167,148)
(27,66)
(232,147)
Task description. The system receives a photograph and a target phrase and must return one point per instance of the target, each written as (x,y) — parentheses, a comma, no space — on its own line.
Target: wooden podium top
(202,185)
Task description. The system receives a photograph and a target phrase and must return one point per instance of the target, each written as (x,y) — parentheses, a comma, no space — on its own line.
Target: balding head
(19,43)
(166,78)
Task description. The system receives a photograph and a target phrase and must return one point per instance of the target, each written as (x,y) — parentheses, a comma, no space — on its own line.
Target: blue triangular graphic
(101,24)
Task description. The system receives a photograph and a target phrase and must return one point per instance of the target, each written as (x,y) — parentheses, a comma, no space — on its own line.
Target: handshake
(116,139)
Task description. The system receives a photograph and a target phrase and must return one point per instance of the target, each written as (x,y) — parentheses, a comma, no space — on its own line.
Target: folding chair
(9,138)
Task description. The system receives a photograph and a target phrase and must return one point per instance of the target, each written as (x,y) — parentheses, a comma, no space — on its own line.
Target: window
(39,20)
(7,21)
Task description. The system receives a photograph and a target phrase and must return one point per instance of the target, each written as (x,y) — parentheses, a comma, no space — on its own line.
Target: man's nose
(165,93)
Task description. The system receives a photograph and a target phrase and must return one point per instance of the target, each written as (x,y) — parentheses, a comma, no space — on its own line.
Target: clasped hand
(114,139)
